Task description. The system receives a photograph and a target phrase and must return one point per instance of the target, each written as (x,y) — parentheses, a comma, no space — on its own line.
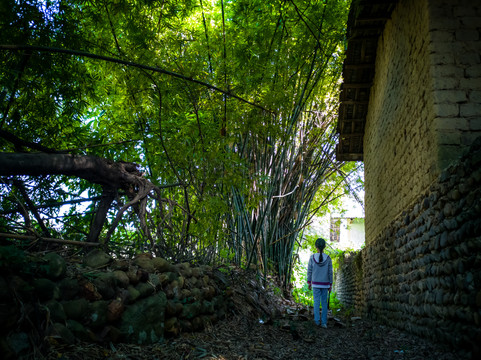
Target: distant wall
(348,282)
(352,233)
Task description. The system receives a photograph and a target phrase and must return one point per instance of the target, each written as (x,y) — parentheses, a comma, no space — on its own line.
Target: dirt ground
(243,338)
(263,325)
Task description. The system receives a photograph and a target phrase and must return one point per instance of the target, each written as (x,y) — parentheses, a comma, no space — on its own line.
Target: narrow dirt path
(243,338)
(288,333)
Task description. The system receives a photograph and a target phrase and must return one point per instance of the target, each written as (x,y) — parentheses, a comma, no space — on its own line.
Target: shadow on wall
(427,263)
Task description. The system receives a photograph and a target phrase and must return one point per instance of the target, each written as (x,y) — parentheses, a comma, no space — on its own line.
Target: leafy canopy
(215,100)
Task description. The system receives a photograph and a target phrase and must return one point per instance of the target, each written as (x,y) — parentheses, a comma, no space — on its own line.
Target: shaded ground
(243,338)
(263,325)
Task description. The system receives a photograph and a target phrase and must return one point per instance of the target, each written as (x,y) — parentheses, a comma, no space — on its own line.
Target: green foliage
(242,154)
(334,303)
(300,290)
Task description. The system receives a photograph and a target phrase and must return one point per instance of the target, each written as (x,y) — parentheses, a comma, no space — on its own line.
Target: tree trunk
(94,169)
(111,175)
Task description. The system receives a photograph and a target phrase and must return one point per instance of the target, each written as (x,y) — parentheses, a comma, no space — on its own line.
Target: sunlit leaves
(283,55)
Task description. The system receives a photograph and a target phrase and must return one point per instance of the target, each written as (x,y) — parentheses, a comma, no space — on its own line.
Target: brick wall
(399,152)
(455,55)
(425,104)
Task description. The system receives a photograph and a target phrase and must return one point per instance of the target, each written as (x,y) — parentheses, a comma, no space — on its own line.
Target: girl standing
(319,279)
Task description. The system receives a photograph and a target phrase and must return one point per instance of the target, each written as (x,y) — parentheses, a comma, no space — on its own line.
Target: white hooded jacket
(319,273)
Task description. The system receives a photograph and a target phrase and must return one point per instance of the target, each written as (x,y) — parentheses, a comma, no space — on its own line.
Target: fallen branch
(60,241)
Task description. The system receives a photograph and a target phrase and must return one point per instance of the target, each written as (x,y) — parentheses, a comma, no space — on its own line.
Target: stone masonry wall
(348,281)
(421,268)
(423,272)
(399,141)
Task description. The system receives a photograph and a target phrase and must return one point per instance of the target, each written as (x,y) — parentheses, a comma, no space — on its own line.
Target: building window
(335,229)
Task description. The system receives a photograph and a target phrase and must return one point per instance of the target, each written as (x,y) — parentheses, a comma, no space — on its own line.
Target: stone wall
(422,273)
(348,281)
(102,299)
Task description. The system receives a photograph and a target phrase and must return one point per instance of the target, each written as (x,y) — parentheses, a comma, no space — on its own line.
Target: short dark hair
(320,244)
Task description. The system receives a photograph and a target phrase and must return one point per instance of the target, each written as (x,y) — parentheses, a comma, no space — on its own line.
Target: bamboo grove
(227,107)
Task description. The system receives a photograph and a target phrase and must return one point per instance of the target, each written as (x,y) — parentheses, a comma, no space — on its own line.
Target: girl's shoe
(324,326)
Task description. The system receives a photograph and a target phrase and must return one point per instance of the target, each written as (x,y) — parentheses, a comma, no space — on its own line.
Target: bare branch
(60,241)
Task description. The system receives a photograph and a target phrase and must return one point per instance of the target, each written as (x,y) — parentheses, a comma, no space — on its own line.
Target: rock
(197,272)
(56,310)
(110,334)
(120,264)
(55,266)
(143,321)
(448,209)
(207,307)
(186,325)
(161,265)
(89,291)
(21,287)
(134,275)
(478,299)
(154,280)
(208,292)
(98,313)
(173,308)
(185,294)
(69,288)
(97,259)
(46,289)
(77,309)
(121,279)
(105,285)
(59,330)
(197,323)
(143,255)
(115,309)
(172,326)
(184,269)
(190,311)
(134,294)
(79,331)
(145,289)
(206,268)
(145,263)
(175,289)
(196,293)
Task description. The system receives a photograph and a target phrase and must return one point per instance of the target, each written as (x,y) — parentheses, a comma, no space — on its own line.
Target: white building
(347,232)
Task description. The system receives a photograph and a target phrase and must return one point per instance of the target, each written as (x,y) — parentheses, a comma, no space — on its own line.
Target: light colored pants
(320,296)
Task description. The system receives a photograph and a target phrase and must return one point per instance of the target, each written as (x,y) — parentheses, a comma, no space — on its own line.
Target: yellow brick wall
(400,143)
(425,103)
